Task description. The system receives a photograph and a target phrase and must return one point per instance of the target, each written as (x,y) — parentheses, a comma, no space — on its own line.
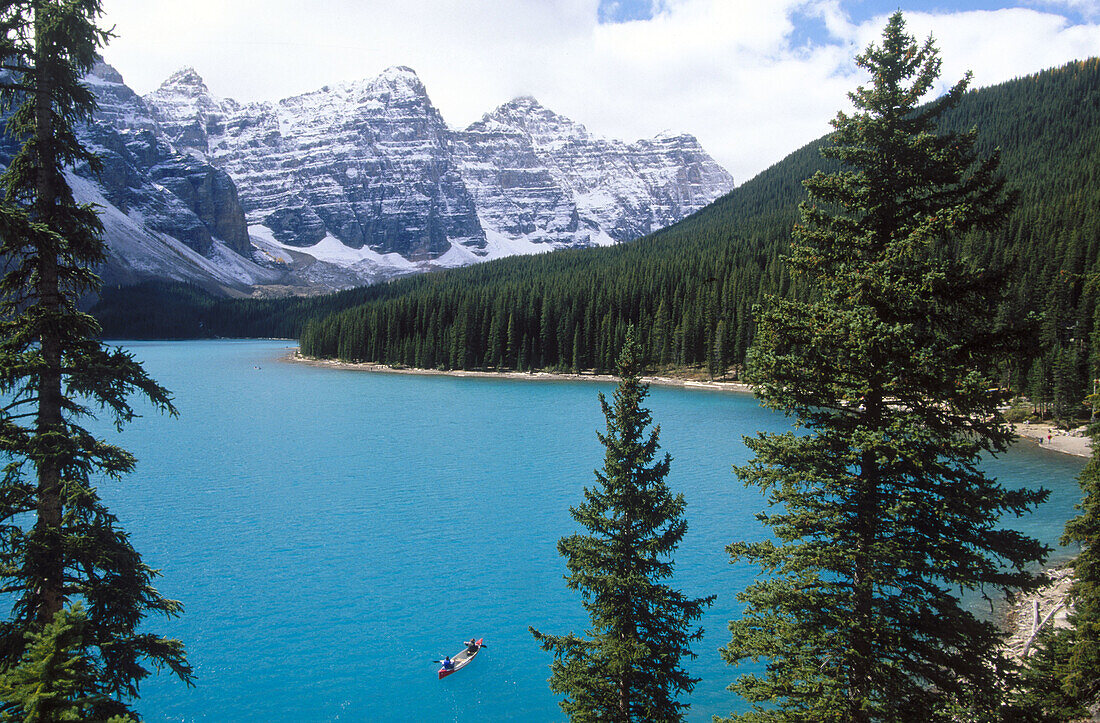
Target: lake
(331,532)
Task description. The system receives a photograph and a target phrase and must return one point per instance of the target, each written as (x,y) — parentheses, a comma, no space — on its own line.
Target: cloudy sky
(752,80)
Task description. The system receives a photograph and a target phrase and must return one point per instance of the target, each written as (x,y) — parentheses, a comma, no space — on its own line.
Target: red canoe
(461,660)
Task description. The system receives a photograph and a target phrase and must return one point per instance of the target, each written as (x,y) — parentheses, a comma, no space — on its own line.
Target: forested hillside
(691,288)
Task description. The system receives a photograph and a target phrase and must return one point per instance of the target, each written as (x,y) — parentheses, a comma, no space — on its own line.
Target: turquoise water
(331,532)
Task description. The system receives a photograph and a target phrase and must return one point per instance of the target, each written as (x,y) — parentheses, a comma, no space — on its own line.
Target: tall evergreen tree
(57,540)
(883,514)
(1080,677)
(628,668)
(1061,677)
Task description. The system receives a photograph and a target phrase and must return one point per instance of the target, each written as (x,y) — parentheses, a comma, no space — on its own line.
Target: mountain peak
(527,115)
(401,79)
(399,71)
(104,72)
(185,79)
(524,102)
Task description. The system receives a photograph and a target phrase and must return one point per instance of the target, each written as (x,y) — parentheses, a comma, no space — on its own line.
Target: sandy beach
(1074,441)
(737,387)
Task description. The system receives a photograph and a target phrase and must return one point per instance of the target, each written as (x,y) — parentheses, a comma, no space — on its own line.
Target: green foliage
(54,681)
(1038,696)
(882,514)
(168,310)
(1081,676)
(58,542)
(1062,676)
(628,668)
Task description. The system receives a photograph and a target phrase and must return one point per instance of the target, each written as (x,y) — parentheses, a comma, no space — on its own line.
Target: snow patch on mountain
(371,165)
(136,253)
(360,182)
(330,250)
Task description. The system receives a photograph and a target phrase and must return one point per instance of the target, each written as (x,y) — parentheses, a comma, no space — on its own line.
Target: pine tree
(57,540)
(628,668)
(54,681)
(1081,675)
(1038,696)
(883,516)
(1061,677)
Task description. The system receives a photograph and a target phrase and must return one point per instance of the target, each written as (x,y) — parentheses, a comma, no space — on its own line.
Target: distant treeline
(690,289)
(173,310)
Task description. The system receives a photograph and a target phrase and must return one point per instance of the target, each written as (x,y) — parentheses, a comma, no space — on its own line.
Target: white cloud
(723,70)
(1088,8)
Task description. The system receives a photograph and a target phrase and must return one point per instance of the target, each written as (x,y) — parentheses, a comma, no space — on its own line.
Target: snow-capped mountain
(540,176)
(360,182)
(368,176)
(366,163)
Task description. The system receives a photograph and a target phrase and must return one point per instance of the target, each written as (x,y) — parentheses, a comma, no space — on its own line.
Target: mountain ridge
(315,166)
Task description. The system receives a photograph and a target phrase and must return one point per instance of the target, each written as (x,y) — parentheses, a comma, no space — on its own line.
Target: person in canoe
(447,663)
(472,646)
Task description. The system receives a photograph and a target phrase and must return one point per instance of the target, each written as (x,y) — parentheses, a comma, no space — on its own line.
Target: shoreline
(295,357)
(1046,436)
(1046,607)
(1074,442)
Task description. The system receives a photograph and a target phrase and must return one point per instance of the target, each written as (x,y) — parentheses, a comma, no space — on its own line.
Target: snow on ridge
(353,174)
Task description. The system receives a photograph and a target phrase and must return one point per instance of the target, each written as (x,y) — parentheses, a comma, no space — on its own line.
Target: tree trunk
(50,422)
(862,675)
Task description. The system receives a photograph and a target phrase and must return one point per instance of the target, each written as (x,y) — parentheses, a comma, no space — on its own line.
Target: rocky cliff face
(367,163)
(143,174)
(574,188)
(360,182)
(165,215)
(368,174)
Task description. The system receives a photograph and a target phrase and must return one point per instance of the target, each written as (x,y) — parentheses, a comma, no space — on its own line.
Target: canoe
(461,660)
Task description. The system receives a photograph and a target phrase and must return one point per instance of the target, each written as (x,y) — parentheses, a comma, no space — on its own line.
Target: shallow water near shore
(330,533)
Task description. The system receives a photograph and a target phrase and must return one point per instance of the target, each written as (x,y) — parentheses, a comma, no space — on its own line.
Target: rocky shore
(1043,609)
(1074,441)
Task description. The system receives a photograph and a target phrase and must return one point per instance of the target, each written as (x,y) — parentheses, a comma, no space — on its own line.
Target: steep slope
(165,215)
(367,174)
(367,163)
(540,177)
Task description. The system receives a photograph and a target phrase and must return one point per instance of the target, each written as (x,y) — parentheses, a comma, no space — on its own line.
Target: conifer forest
(691,288)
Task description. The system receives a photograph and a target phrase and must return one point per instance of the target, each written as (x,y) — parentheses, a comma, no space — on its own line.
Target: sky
(751,80)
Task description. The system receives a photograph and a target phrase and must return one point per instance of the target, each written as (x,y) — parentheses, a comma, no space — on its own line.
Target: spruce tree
(1061,676)
(1080,677)
(628,666)
(883,516)
(54,681)
(58,542)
